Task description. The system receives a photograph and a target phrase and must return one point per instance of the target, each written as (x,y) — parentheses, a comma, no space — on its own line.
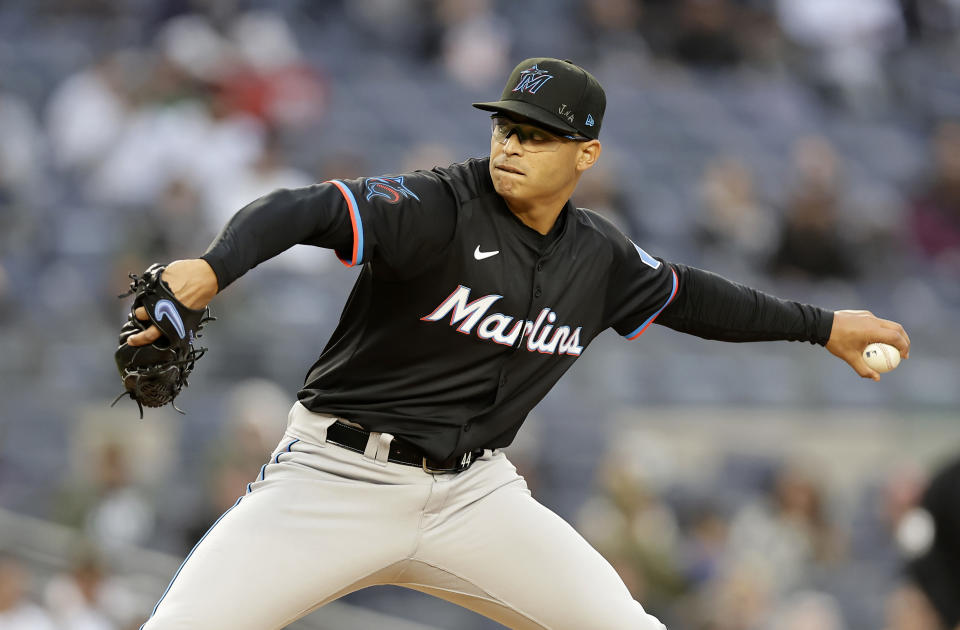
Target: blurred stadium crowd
(807,147)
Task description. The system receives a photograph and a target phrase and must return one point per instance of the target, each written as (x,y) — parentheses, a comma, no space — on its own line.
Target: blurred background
(810,148)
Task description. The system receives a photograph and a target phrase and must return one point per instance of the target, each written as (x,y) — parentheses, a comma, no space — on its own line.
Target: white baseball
(881,357)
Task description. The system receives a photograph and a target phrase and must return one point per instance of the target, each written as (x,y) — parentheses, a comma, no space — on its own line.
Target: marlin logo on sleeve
(532,79)
(165,308)
(541,335)
(390,188)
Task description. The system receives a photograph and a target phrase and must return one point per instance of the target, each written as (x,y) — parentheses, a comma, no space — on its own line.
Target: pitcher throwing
(480,286)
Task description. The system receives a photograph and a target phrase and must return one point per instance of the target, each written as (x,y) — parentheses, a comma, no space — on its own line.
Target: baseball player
(480,286)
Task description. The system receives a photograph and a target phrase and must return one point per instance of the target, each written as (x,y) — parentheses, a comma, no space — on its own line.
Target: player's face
(529,164)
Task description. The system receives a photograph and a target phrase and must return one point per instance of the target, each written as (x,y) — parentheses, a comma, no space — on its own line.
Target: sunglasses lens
(531,138)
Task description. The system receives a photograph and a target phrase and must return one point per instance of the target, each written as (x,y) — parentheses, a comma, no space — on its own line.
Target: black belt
(400,452)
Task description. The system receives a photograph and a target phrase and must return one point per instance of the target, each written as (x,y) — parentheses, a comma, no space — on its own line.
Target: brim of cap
(535,113)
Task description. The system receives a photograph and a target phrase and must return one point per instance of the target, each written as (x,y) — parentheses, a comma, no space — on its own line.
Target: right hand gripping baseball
(853,330)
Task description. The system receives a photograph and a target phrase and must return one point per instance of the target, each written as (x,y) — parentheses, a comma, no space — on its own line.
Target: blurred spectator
(254,424)
(740,599)
(86,597)
(932,20)
(873,548)
(760,37)
(256,420)
(87,112)
(407,27)
(908,609)
(630,523)
(475,46)
(935,210)
(704,546)
(266,173)
(181,126)
(223,484)
(845,45)
(787,533)
(165,141)
(17,612)
(111,510)
(735,230)
(612,28)
(175,227)
(22,146)
(707,34)
(192,45)
(813,243)
(807,610)
(272,80)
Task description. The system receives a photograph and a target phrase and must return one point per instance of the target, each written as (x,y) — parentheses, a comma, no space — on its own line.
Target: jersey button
(466,427)
(538,292)
(539,266)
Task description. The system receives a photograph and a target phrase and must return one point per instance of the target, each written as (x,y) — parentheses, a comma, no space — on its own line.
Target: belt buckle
(431,471)
(464,463)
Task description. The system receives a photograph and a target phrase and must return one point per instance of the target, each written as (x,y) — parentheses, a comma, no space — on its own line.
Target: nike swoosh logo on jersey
(481,255)
(165,308)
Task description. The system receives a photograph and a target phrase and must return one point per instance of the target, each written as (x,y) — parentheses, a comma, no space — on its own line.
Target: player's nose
(511,144)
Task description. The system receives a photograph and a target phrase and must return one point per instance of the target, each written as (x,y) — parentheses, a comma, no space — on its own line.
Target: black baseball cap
(555,93)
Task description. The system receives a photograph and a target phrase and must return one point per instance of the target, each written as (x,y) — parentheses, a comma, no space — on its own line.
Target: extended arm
(273,224)
(712,307)
(258,232)
(398,222)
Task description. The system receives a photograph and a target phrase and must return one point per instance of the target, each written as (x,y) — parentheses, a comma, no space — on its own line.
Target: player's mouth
(509,169)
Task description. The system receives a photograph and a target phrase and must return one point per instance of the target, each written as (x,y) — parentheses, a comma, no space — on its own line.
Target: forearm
(271,225)
(712,307)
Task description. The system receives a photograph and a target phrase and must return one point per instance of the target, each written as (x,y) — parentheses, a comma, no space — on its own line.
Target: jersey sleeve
(713,307)
(400,221)
(640,288)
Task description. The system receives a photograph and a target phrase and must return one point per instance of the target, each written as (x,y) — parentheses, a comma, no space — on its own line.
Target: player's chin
(506,181)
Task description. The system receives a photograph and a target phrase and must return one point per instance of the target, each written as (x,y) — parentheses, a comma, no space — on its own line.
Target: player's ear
(587,154)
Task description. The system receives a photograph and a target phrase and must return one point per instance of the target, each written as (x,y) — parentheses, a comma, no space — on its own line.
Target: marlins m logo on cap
(532,79)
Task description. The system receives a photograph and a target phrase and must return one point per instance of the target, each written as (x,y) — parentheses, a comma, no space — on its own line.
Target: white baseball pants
(321,521)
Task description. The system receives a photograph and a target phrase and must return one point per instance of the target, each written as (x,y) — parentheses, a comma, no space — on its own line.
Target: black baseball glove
(154,374)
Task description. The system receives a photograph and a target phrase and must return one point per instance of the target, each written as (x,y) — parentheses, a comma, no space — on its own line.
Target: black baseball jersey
(462,317)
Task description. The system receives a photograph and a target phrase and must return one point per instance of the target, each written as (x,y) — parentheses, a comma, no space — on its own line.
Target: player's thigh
(519,560)
(303,535)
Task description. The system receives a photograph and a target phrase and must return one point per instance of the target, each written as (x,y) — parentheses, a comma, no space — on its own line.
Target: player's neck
(537,216)
(540,213)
